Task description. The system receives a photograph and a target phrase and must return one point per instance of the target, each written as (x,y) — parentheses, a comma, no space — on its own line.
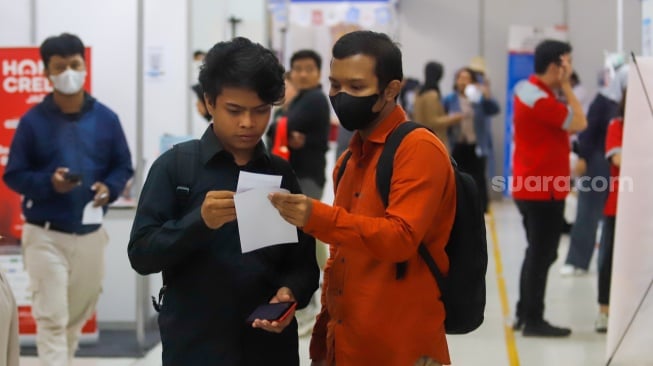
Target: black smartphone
(272,312)
(72,177)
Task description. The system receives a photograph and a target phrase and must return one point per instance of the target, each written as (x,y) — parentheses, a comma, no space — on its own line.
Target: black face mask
(354,113)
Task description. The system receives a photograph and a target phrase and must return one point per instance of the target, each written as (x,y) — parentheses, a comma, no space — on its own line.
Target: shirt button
(342,260)
(357,194)
(339,321)
(339,292)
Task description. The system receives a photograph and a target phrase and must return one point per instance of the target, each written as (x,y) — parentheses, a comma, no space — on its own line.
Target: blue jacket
(91,143)
(482,113)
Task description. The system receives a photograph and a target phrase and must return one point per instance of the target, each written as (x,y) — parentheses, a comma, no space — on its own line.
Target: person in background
(406,100)
(200,106)
(541,175)
(69,155)
(428,109)
(211,286)
(590,166)
(613,144)
(369,317)
(279,113)
(309,123)
(477,64)
(469,137)
(9,345)
(198,58)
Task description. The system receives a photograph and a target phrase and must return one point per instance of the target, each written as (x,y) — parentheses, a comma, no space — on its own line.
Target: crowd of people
(69,151)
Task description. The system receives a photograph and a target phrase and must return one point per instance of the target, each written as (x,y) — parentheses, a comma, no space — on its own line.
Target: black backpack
(463,289)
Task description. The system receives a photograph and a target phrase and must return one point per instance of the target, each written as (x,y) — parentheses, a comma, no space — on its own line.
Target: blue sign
(520,67)
(353,15)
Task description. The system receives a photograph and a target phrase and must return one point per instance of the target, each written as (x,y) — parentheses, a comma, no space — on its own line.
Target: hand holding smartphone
(72,177)
(275,312)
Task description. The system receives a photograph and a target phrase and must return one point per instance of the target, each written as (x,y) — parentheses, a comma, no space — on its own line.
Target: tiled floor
(570,302)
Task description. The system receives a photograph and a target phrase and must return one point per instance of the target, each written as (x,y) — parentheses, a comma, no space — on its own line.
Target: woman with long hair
(428,109)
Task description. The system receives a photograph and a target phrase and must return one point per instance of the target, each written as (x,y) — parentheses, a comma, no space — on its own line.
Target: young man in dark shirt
(211,286)
(308,123)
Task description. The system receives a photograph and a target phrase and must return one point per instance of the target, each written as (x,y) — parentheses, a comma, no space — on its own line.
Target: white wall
(165,99)
(210,21)
(447,31)
(14,23)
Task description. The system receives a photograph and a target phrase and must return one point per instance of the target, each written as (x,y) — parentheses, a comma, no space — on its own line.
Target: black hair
(199,92)
(379,46)
(471,72)
(549,52)
(239,63)
(432,74)
(575,80)
(63,45)
(304,54)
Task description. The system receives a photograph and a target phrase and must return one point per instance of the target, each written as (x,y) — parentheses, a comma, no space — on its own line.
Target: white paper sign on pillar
(632,270)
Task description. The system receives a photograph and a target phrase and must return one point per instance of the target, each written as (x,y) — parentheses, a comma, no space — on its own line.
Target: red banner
(22,86)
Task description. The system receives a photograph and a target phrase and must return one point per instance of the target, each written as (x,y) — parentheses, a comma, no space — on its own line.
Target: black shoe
(518,324)
(544,329)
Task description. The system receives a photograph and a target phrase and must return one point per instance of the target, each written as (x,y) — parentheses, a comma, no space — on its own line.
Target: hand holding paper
(294,208)
(259,223)
(218,208)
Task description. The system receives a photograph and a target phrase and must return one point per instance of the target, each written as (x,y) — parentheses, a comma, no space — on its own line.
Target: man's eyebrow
(349,80)
(234,105)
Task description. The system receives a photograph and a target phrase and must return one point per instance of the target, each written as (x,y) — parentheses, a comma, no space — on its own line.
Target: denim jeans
(589,212)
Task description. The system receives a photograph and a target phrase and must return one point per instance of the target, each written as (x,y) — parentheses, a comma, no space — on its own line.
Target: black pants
(543,221)
(606,251)
(469,162)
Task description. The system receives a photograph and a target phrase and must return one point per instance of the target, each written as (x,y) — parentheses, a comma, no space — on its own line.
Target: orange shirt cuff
(320,218)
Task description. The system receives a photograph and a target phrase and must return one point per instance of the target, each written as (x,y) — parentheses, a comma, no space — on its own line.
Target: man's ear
(392,90)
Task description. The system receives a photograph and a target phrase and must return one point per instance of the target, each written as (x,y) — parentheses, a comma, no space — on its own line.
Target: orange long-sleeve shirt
(369,317)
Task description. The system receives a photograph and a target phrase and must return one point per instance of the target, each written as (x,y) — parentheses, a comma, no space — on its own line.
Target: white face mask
(69,82)
(473,93)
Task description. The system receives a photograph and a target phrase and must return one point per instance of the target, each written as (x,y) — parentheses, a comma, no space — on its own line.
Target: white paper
(247,181)
(92,215)
(259,223)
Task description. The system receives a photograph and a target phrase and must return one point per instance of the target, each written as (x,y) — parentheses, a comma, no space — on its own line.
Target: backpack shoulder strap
(384,169)
(341,170)
(186,155)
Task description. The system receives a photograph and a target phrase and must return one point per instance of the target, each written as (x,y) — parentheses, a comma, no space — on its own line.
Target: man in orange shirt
(368,316)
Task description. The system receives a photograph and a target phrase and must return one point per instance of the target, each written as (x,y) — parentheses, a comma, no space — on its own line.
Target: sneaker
(544,329)
(601,323)
(569,270)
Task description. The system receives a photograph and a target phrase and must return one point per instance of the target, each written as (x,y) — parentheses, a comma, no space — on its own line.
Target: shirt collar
(210,146)
(537,81)
(381,132)
(49,104)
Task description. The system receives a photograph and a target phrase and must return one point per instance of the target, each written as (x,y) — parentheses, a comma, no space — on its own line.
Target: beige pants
(9,346)
(65,272)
